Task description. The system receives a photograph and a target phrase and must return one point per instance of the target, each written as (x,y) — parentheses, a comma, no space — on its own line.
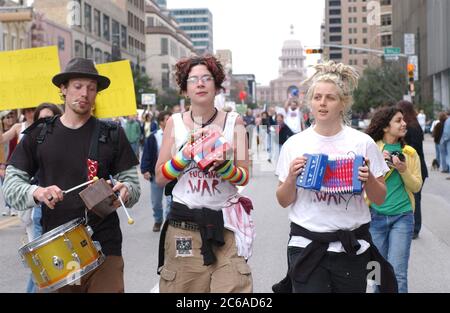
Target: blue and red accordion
(337,175)
(209,148)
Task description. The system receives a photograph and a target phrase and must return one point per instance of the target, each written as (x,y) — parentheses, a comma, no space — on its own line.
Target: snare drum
(62,255)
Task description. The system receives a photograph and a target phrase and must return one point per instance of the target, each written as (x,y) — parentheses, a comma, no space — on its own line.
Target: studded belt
(184,225)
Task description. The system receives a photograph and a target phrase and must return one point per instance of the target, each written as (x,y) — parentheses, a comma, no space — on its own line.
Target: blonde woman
(330,244)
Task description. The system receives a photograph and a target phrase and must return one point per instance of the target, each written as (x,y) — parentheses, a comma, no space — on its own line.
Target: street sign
(410,44)
(392,57)
(392,51)
(148,98)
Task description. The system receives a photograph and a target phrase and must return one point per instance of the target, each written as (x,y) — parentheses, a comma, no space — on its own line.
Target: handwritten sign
(119,99)
(26,77)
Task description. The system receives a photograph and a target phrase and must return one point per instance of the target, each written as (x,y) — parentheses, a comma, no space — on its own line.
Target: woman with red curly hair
(201,250)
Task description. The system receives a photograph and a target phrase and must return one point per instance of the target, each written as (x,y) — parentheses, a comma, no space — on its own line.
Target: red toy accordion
(209,148)
(336,176)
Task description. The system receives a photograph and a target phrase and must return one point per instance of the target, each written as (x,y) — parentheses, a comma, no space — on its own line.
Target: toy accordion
(208,148)
(336,176)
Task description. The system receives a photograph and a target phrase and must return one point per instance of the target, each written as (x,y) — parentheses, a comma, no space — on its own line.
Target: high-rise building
(428,21)
(226,59)
(360,24)
(101,30)
(162,4)
(198,24)
(333,30)
(166,44)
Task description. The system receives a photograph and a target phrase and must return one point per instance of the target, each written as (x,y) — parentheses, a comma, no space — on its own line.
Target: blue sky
(255,30)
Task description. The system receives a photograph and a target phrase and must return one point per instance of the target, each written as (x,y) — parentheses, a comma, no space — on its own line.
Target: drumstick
(130,220)
(80,185)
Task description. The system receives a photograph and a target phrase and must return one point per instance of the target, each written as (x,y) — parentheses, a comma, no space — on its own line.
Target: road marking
(11,221)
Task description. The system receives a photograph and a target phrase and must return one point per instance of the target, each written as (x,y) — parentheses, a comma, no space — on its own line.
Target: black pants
(418,211)
(337,272)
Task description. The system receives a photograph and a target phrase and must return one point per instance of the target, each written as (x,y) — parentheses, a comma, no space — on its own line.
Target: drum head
(50,235)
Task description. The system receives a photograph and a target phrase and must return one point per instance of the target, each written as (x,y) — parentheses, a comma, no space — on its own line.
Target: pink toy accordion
(209,148)
(337,175)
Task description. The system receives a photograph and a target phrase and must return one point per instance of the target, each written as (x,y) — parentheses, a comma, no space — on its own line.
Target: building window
(164,46)
(98,56)
(97,23)
(385,2)
(386,19)
(365,62)
(61,43)
(106,57)
(124,36)
(89,52)
(87,18)
(79,53)
(115,33)
(106,33)
(386,40)
(150,21)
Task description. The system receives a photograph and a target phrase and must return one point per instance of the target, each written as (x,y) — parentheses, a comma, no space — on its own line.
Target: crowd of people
(205,224)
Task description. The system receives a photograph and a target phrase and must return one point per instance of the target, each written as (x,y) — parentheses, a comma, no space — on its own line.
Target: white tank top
(195,188)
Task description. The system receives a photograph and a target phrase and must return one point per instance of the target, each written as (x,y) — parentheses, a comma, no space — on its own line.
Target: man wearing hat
(66,152)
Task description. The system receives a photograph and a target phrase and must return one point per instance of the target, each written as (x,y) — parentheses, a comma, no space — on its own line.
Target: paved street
(428,265)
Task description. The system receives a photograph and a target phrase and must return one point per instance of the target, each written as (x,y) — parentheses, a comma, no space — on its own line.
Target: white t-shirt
(320,212)
(293,120)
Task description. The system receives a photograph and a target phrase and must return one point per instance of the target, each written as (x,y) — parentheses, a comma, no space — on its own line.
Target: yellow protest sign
(119,98)
(26,77)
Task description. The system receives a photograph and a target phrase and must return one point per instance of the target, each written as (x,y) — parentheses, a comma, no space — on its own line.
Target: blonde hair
(343,76)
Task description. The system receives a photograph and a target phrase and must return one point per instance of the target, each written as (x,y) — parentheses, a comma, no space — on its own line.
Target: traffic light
(314,51)
(411,69)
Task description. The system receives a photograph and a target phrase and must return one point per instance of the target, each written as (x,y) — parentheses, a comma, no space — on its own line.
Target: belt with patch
(184,225)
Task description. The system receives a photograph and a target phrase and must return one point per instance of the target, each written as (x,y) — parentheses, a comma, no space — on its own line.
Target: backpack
(103,131)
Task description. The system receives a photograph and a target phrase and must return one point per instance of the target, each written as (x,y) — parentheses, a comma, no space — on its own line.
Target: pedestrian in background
(414,137)
(148,162)
(445,146)
(422,120)
(392,225)
(437,135)
(133,133)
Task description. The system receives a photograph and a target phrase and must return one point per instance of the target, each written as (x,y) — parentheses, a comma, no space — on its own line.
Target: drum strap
(102,132)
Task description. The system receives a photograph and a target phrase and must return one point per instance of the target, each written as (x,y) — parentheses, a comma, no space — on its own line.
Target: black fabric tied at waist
(211,227)
(317,249)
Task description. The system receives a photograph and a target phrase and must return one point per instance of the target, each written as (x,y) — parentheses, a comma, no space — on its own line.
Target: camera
(398,154)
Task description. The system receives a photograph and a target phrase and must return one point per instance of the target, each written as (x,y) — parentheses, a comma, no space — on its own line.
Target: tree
(142,84)
(168,98)
(378,86)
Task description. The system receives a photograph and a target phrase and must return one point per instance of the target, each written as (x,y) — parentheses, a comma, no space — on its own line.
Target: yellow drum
(62,255)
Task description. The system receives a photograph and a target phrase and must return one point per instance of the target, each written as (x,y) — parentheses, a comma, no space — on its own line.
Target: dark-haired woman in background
(414,138)
(392,223)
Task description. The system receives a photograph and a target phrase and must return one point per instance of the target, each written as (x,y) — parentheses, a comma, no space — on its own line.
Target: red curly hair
(184,66)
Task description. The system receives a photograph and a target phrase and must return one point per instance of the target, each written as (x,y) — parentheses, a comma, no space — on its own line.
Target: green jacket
(133,131)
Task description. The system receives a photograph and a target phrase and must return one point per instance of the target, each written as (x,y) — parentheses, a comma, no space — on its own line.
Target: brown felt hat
(81,68)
